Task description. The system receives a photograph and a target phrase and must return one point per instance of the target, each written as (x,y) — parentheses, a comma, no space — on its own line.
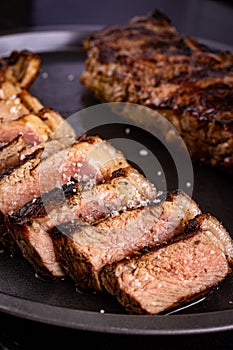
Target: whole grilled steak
(83,250)
(164,278)
(148,63)
(29,226)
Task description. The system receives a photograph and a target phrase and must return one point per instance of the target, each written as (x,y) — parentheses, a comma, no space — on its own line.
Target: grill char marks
(29,226)
(33,129)
(10,153)
(147,62)
(84,250)
(164,278)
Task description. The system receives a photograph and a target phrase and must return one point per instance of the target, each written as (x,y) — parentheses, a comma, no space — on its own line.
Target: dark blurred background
(208,19)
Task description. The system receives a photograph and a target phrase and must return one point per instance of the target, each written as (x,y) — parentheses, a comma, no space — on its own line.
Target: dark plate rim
(209,322)
(69,38)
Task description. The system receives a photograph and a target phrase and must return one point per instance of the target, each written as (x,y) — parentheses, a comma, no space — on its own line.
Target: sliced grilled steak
(90,159)
(84,250)
(148,63)
(30,225)
(164,278)
(10,153)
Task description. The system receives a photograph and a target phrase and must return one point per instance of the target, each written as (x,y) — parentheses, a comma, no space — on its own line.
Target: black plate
(57,302)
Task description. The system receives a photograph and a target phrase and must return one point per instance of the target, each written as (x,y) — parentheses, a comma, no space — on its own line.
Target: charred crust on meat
(169,196)
(68,228)
(15,55)
(37,153)
(106,55)
(55,233)
(193,225)
(188,82)
(160,16)
(68,189)
(118,173)
(86,138)
(37,208)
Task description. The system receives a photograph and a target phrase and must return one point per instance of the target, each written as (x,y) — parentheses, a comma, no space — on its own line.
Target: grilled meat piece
(84,250)
(217,233)
(23,103)
(8,89)
(16,176)
(18,155)
(90,159)
(33,129)
(18,105)
(10,153)
(12,108)
(60,127)
(29,226)
(15,109)
(17,149)
(20,68)
(164,278)
(148,63)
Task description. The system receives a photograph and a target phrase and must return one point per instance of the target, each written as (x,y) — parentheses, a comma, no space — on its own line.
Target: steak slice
(8,180)
(24,103)
(33,129)
(20,68)
(18,105)
(164,278)
(29,226)
(10,153)
(89,159)
(17,157)
(148,63)
(56,123)
(12,108)
(8,89)
(83,250)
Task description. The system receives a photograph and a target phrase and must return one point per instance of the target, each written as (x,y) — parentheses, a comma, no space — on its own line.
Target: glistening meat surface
(167,277)
(84,250)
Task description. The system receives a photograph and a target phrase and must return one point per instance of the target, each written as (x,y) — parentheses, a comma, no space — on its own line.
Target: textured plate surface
(57,302)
